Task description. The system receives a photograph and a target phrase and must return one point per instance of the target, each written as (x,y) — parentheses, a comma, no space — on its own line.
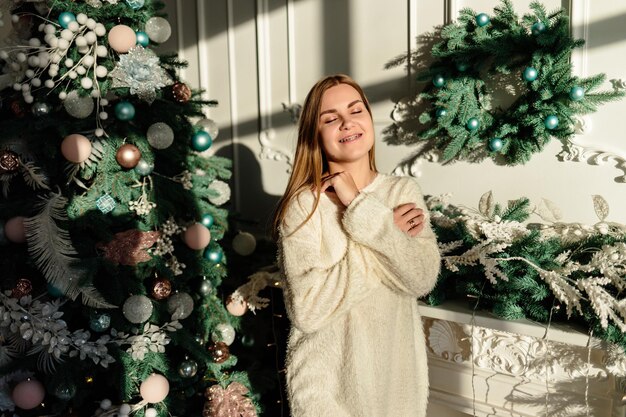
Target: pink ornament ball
(236,308)
(197,236)
(14,230)
(28,394)
(154,389)
(76,148)
(122,38)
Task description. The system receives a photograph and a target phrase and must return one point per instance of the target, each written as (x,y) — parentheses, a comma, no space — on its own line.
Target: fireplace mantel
(485,366)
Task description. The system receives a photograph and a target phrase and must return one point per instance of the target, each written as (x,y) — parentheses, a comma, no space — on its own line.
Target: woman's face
(345,125)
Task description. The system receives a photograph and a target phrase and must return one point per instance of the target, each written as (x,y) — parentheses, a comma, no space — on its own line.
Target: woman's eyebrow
(349,105)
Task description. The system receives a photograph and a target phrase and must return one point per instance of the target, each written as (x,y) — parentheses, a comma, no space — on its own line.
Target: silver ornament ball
(137,309)
(208,126)
(78,106)
(223,332)
(188,369)
(158,29)
(160,135)
(205,288)
(40,109)
(180,306)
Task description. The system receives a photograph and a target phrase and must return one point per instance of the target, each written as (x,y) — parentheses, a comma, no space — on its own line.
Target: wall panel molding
(579,20)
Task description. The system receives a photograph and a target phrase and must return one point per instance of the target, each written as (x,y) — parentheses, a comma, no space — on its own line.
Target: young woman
(356,249)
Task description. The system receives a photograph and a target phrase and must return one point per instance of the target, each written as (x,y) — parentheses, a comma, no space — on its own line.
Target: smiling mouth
(350,138)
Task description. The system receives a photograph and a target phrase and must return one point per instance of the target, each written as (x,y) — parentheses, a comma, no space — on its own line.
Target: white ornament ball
(80,41)
(29,73)
(223,192)
(62,44)
(49,29)
(160,135)
(29,99)
(150,412)
(104,102)
(76,148)
(34,42)
(72,74)
(124,409)
(33,61)
(62,95)
(78,106)
(21,57)
(95,93)
(99,132)
(4,55)
(73,26)
(25,88)
(101,71)
(88,61)
(99,30)
(69,62)
(158,29)
(17,87)
(14,229)
(28,394)
(81,70)
(103,115)
(105,404)
(223,332)
(90,23)
(244,243)
(67,34)
(86,83)
(36,82)
(236,307)
(91,38)
(83,49)
(102,51)
(122,38)
(49,83)
(197,236)
(154,389)
(81,18)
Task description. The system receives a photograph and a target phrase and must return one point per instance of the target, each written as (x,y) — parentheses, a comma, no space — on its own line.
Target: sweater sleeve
(413,262)
(317,293)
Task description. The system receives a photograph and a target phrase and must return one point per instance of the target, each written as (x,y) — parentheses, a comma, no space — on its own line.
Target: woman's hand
(343,185)
(409,218)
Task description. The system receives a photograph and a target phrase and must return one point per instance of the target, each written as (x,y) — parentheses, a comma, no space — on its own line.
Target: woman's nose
(347,123)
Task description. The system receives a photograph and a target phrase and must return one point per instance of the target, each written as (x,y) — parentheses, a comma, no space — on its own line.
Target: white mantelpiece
(515,368)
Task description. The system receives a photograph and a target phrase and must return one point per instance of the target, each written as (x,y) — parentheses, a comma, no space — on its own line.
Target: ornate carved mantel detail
(484,371)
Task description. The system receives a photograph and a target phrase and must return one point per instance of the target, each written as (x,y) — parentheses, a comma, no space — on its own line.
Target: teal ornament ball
(201,141)
(247,340)
(462,66)
(207,220)
(99,322)
(551,122)
(441,112)
(65,391)
(125,111)
(576,93)
(473,124)
(188,368)
(530,74)
(144,167)
(142,38)
(65,18)
(214,254)
(136,4)
(538,28)
(54,291)
(439,81)
(495,144)
(482,19)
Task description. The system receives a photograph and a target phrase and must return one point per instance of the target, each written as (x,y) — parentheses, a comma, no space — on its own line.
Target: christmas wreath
(462,121)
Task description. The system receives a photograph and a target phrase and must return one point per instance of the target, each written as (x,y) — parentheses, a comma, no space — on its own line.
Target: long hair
(310,161)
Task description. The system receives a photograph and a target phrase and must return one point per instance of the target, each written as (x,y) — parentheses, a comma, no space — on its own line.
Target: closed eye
(329,121)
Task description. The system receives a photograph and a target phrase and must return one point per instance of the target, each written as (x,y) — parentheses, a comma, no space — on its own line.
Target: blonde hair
(310,161)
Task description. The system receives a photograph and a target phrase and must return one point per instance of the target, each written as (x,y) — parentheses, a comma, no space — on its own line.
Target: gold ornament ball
(181,92)
(197,236)
(154,389)
(161,288)
(122,38)
(219,352)
(9,161)
(14,229)
(128,156)
(236,307)
(76,148)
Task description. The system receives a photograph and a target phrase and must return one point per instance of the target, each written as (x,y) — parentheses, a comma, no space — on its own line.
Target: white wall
(253,56)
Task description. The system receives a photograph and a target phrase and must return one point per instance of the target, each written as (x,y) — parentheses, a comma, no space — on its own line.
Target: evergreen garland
(533,52)
(540,271)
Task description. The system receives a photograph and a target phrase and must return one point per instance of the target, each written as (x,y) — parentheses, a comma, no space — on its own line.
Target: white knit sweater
(356,346)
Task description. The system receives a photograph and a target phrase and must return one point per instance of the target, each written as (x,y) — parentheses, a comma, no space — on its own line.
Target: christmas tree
(111,220)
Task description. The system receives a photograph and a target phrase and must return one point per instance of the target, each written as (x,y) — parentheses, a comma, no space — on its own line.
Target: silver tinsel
(140,70)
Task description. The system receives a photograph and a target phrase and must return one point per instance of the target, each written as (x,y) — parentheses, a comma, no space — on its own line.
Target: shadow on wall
(255,205)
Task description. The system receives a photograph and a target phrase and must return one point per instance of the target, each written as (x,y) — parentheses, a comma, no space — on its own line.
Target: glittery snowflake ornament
(140,71)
